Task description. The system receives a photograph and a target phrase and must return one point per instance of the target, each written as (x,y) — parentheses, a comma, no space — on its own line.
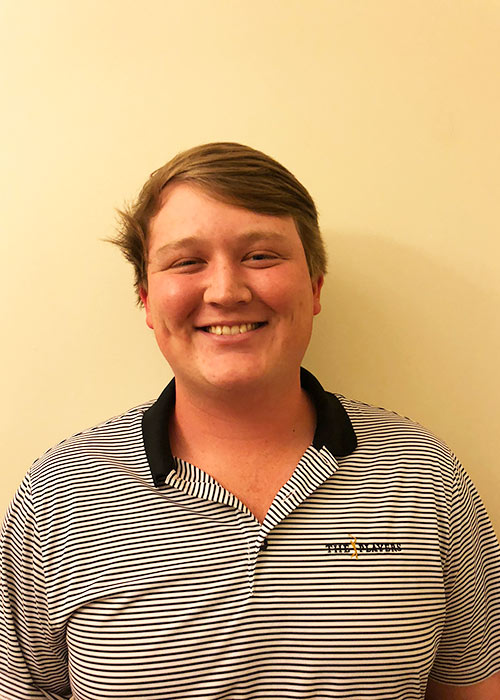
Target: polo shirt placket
(312,470)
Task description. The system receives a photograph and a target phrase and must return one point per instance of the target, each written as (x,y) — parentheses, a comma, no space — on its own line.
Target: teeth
(232,330)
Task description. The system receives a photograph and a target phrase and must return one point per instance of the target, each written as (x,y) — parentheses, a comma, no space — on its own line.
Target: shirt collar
(333,428)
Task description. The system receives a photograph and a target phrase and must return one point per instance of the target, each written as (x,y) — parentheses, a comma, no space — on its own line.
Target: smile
(232,330)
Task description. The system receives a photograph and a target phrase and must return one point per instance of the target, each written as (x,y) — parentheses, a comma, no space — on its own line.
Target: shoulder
(91,453)
(385,435)
(366,417)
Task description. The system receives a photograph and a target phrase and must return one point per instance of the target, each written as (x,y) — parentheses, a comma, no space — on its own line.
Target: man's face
(229,293)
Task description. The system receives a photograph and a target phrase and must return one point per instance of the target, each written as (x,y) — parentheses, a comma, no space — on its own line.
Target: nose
(226,285)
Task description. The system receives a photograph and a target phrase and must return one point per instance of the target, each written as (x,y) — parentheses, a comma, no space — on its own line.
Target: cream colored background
(388,111)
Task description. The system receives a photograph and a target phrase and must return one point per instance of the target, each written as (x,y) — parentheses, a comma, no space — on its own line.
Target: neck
(233,420)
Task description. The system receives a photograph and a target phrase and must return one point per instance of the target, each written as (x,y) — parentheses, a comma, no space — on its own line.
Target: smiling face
(229,296)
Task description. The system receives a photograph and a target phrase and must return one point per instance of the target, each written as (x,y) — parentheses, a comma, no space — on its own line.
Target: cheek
(171,301)
(278,289)
(291,295)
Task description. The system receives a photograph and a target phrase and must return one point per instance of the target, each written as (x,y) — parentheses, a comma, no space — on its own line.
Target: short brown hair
(231,173)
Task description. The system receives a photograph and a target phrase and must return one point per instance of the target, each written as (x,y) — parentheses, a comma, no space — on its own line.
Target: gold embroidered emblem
(354,555)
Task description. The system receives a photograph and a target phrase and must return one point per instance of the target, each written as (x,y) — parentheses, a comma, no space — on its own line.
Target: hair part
(234,174)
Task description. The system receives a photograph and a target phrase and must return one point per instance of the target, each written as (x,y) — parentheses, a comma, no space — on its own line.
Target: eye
(262,256)
(262,259)
(186,264)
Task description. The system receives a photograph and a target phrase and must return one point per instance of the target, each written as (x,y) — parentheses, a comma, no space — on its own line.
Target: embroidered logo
(355,554)
(357,549)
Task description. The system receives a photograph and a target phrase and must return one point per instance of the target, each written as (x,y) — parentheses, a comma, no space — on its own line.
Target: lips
(232,329)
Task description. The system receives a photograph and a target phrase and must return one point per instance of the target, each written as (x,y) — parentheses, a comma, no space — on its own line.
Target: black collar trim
(333,430)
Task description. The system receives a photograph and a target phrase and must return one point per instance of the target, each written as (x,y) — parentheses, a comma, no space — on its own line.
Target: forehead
(188,210)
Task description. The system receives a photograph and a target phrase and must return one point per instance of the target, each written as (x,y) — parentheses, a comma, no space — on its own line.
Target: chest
(256,498)
(255,486)
(229,619)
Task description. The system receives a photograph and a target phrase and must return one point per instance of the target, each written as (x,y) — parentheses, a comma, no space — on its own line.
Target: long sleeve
(33,657)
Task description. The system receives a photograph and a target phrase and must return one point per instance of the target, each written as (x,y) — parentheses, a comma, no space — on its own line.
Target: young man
(248,535)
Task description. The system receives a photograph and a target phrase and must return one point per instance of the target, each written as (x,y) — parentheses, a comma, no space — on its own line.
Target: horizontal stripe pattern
(369,573)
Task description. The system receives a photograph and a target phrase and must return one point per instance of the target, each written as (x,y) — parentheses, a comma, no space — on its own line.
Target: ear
(143,294)
(317,284)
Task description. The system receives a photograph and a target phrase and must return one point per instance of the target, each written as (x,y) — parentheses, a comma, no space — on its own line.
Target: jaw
(263,361)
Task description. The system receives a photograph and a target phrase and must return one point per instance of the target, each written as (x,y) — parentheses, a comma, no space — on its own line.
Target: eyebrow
(249,237)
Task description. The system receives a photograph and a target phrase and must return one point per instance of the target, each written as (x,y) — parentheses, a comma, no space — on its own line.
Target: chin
(242,379)
(233,380)
(229,375)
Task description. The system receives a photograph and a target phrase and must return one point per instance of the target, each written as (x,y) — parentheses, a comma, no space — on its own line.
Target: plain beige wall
(388,111)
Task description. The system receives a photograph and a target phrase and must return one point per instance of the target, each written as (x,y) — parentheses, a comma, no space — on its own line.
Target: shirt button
(264,545)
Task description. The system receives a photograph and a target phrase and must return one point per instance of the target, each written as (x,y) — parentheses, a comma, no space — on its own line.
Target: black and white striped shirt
(128,573)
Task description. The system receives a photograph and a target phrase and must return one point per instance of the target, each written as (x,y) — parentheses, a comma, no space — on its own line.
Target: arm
(488,689)
(467,662)
(33,662)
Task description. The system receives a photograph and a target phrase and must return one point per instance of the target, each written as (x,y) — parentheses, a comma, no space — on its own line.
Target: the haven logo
(357,549)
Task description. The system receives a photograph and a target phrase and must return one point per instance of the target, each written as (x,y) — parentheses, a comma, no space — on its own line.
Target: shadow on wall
(401,329)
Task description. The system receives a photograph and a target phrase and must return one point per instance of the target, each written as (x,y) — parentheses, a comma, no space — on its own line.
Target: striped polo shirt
(130,573)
